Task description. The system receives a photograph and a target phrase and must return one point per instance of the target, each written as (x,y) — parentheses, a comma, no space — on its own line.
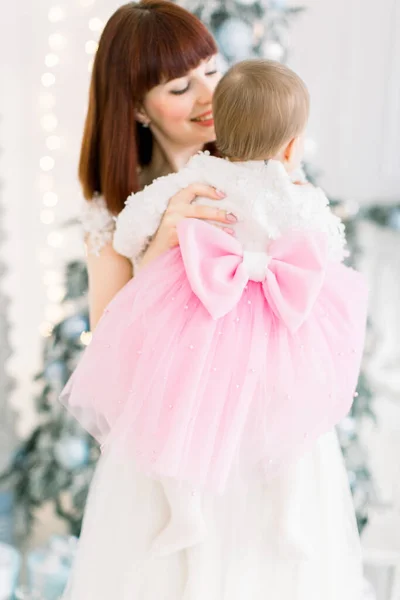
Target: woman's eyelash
(179,92)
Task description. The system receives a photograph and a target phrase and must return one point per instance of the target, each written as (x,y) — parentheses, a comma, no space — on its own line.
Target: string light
(52,279)
(47,161)
(86,338)
(51,60)
(48,79)
(50,199)
(56,293)
(56,14)
(96,24)
(46,329)
(57,41)
(91,47)
(273,50)
(49,122)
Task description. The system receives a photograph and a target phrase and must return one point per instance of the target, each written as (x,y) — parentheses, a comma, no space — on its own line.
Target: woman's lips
(204,120)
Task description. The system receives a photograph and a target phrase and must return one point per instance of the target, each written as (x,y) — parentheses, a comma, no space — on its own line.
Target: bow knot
(255,265)
(291,273)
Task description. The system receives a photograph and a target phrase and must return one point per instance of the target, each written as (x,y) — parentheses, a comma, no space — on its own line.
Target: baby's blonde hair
(259,105)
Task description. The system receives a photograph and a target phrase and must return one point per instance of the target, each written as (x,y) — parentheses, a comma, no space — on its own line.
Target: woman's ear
(141,117)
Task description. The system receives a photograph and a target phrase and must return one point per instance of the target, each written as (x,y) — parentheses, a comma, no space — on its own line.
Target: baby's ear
(290,150)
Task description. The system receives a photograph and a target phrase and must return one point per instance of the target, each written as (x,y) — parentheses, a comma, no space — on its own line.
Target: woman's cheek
(180,110)
(173,112)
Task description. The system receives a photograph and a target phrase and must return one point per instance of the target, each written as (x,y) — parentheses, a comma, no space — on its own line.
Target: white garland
(7,429)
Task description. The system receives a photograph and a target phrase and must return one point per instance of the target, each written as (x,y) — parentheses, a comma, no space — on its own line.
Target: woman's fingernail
(230,231)
(220,194)
(231,218)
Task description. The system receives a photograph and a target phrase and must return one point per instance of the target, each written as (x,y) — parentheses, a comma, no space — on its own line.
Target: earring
(145,125)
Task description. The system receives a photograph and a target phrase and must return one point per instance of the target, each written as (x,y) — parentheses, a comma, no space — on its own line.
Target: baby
(260,111)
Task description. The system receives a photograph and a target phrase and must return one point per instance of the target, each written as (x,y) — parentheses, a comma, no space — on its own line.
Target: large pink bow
(291,272)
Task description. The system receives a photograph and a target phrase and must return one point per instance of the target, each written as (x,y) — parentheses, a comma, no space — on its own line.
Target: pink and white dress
(225,363)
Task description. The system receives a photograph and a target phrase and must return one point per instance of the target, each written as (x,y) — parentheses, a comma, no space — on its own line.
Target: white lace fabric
(98,224)
(263,198)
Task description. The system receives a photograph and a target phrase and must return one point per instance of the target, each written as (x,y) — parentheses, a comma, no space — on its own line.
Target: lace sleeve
(98,224)
(139,220)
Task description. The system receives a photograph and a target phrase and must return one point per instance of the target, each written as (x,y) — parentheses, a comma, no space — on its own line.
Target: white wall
(348,52)
(16,174)
(353,73)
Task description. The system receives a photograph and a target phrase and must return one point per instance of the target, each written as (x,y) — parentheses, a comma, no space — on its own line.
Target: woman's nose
(206,91)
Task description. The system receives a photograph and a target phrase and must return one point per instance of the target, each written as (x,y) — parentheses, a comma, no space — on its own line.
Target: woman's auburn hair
(143,44)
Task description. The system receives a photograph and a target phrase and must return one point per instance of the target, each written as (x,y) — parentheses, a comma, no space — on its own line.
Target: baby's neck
(260,160)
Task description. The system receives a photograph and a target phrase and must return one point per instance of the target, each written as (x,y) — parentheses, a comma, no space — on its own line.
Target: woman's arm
(108,273)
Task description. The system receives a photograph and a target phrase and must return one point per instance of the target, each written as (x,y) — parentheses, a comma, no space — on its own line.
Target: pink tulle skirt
(188,396)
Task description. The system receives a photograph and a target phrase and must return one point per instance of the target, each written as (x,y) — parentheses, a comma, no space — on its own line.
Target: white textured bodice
(263,198)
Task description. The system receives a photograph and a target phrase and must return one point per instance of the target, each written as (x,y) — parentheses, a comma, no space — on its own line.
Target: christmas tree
(56,462)
(7,424)
(6,381)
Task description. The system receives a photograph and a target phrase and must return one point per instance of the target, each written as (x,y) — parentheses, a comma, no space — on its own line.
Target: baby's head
(260,112)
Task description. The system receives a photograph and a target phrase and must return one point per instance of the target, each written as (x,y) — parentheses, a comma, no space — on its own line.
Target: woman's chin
(209,136)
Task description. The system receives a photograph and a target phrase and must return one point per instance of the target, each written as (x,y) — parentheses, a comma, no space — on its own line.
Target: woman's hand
(180,207)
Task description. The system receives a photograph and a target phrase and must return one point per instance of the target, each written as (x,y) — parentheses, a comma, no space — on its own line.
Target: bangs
(176,46)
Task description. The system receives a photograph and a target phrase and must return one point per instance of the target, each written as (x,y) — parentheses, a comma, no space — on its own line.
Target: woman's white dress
(247,553)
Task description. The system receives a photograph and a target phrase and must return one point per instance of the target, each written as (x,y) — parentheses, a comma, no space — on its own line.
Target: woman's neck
(167,160)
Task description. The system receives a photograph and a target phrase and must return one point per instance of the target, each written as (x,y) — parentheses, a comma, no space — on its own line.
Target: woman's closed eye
(179,92)
(185,89)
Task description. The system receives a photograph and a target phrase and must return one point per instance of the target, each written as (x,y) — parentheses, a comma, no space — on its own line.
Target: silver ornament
(235,39)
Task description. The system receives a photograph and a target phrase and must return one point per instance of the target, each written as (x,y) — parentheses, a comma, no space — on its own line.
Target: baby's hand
(299,182)
(298,177)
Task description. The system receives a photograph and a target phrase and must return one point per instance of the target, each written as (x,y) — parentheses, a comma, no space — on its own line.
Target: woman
(148,114)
